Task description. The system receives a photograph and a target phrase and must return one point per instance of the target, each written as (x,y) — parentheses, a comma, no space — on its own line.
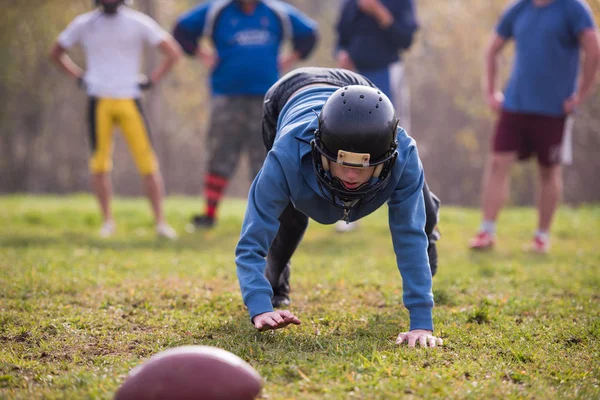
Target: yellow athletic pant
(104,115)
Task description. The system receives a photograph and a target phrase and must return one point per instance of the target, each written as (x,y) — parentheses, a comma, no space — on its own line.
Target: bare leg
(154,187)
(102,187)
(549,195)
(496,184)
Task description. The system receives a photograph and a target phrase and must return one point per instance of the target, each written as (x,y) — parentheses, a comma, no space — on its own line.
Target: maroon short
(528,134)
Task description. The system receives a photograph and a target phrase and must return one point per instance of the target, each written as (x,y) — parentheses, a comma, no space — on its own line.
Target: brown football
(192,372)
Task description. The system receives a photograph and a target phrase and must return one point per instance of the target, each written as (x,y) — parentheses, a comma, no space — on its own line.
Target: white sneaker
(342,226)
(108,229)
(164,230)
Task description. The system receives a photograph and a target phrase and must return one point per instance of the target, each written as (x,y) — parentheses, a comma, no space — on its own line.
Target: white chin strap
(377,171)
(325,162)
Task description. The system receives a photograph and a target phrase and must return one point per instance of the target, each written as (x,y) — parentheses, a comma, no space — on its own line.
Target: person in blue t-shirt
(542,91)
(246,36)
(371,37)
(335,151)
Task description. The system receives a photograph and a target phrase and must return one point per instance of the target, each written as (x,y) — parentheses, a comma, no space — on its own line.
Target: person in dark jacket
(371,37)
(372,34)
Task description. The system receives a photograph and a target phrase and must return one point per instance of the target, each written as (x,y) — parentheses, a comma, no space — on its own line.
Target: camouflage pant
(235,126)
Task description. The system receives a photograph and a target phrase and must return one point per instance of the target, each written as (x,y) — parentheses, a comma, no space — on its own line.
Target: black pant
(292,222)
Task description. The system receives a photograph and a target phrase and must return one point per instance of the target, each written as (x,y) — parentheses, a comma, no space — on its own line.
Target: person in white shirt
(112,37)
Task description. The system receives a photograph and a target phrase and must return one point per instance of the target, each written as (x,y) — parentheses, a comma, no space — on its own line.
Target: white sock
(544,235)
(488,227)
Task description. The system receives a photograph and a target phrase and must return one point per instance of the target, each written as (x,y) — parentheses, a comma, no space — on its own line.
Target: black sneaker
(280,300)
(281,291)
(202,221)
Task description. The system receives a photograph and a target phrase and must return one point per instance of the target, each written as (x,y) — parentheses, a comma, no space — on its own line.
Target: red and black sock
(214,188)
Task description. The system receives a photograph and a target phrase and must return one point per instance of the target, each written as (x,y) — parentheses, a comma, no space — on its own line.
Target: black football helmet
(356,128)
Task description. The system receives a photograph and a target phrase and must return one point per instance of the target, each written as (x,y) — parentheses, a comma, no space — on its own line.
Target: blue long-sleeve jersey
(369,45)
(247,45)
(288,176)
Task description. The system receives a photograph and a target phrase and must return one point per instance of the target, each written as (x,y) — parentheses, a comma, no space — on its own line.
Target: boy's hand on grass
(274,320)
(421,336)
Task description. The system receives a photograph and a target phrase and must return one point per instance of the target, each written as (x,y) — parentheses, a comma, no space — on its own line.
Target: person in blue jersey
(371,37)
(543,91)
(246,61)
(335,151)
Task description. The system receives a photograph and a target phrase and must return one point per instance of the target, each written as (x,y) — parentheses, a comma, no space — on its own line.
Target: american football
(192,372)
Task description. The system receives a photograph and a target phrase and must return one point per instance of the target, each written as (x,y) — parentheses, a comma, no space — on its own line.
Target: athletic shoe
(280,300)
(108,229)
(539,245)
(165,231)
(281,290)
(343,227)
(482,241)
(201,222)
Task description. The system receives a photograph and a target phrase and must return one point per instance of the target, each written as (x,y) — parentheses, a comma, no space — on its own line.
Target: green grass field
(78,312)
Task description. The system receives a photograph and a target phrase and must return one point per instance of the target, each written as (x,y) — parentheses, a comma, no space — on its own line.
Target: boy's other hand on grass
(275,320)
(421,336)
